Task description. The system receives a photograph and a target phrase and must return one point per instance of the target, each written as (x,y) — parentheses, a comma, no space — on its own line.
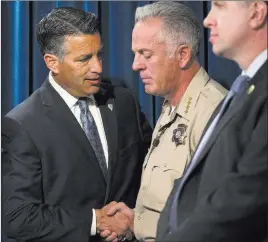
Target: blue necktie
(91,131)
(237,88)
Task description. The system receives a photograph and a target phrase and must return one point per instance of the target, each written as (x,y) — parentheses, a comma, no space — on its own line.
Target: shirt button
(144,188)
(139,217)
(165,165)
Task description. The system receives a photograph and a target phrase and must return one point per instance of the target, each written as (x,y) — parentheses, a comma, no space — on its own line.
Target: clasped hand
(115,222)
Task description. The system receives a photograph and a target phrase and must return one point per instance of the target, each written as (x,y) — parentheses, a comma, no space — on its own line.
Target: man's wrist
(99,216)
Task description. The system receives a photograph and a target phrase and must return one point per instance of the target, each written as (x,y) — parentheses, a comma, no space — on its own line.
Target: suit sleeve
(26,215)
(241,199)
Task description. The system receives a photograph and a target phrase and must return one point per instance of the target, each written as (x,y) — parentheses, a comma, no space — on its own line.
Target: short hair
(61,22)
(180,25)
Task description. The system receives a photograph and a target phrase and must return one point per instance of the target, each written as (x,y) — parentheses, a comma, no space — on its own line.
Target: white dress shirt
(256,64)
(71,102)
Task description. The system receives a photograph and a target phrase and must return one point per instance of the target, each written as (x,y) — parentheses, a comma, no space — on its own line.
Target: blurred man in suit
(223,195)
(74,145)
(165,41)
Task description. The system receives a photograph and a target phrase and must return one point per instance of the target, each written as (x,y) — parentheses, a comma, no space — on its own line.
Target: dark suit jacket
(225,197)
(51,178)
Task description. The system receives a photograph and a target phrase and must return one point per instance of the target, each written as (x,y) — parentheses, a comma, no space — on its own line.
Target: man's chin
(93,90)
(217,50)
(224,54)
(151,91)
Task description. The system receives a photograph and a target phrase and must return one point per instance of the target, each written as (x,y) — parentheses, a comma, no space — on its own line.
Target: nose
(137,63)
(96,65)
(208,20)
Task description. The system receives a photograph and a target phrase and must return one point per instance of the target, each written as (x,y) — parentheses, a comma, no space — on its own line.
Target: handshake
(115,222)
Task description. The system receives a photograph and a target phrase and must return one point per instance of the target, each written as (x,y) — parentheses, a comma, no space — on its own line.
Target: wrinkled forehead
(83,43)
(147,32)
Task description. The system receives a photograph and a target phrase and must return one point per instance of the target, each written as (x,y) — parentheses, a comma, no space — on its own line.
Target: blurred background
(23,69)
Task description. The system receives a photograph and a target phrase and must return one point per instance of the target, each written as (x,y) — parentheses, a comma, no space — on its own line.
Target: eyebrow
(218,3)
(88,56)
(141,51)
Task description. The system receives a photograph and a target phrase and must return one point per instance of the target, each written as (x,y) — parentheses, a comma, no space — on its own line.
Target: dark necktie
(91,131)
(232,97)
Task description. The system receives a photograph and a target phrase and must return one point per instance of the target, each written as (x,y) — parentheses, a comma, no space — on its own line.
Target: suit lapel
(222,123)
(107,108)
(214,114)
(64,120)
(227,117)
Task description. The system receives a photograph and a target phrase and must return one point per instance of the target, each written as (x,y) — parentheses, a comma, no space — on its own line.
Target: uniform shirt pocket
(160,184)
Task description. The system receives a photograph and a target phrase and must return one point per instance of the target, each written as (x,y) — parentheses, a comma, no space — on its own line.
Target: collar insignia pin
(188,105)
(251,89)
(110,106)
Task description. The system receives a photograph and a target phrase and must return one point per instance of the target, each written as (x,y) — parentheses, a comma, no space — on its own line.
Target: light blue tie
(91,131)
(237,87)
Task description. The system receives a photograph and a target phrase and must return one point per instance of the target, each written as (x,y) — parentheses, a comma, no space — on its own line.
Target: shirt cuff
(93,225)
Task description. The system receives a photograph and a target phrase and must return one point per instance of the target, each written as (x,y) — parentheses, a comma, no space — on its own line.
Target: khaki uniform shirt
(175,138)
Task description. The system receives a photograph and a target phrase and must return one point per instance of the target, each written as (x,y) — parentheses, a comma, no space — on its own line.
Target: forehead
(146,33)
(229,4)
(82,43)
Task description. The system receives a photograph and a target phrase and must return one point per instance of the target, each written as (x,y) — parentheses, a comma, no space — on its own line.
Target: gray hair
(61,23)
(180,24)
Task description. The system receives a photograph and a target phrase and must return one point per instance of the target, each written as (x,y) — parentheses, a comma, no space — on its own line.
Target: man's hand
(123,208)
(115,209)
(111,226)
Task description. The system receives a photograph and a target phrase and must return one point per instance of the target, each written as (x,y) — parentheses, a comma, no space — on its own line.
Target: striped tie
(91,131)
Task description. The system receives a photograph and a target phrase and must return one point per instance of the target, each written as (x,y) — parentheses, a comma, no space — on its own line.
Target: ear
(258,14)
(183,54)
(52,62)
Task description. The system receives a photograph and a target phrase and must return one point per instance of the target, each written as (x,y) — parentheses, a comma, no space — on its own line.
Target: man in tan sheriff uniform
(165,41)
(175,139)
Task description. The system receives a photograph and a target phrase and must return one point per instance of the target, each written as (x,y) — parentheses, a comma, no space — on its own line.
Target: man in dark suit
(223,195)
(74,145)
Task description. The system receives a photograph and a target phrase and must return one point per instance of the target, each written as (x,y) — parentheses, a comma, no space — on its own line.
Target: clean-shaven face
(228,24)
(80,71)
(157,70)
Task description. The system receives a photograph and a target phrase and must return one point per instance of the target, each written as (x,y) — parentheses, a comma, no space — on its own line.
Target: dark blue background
(23,68)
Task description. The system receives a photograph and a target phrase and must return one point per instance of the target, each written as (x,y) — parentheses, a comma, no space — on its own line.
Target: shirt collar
(66,96)
(256,64)
(188,102)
